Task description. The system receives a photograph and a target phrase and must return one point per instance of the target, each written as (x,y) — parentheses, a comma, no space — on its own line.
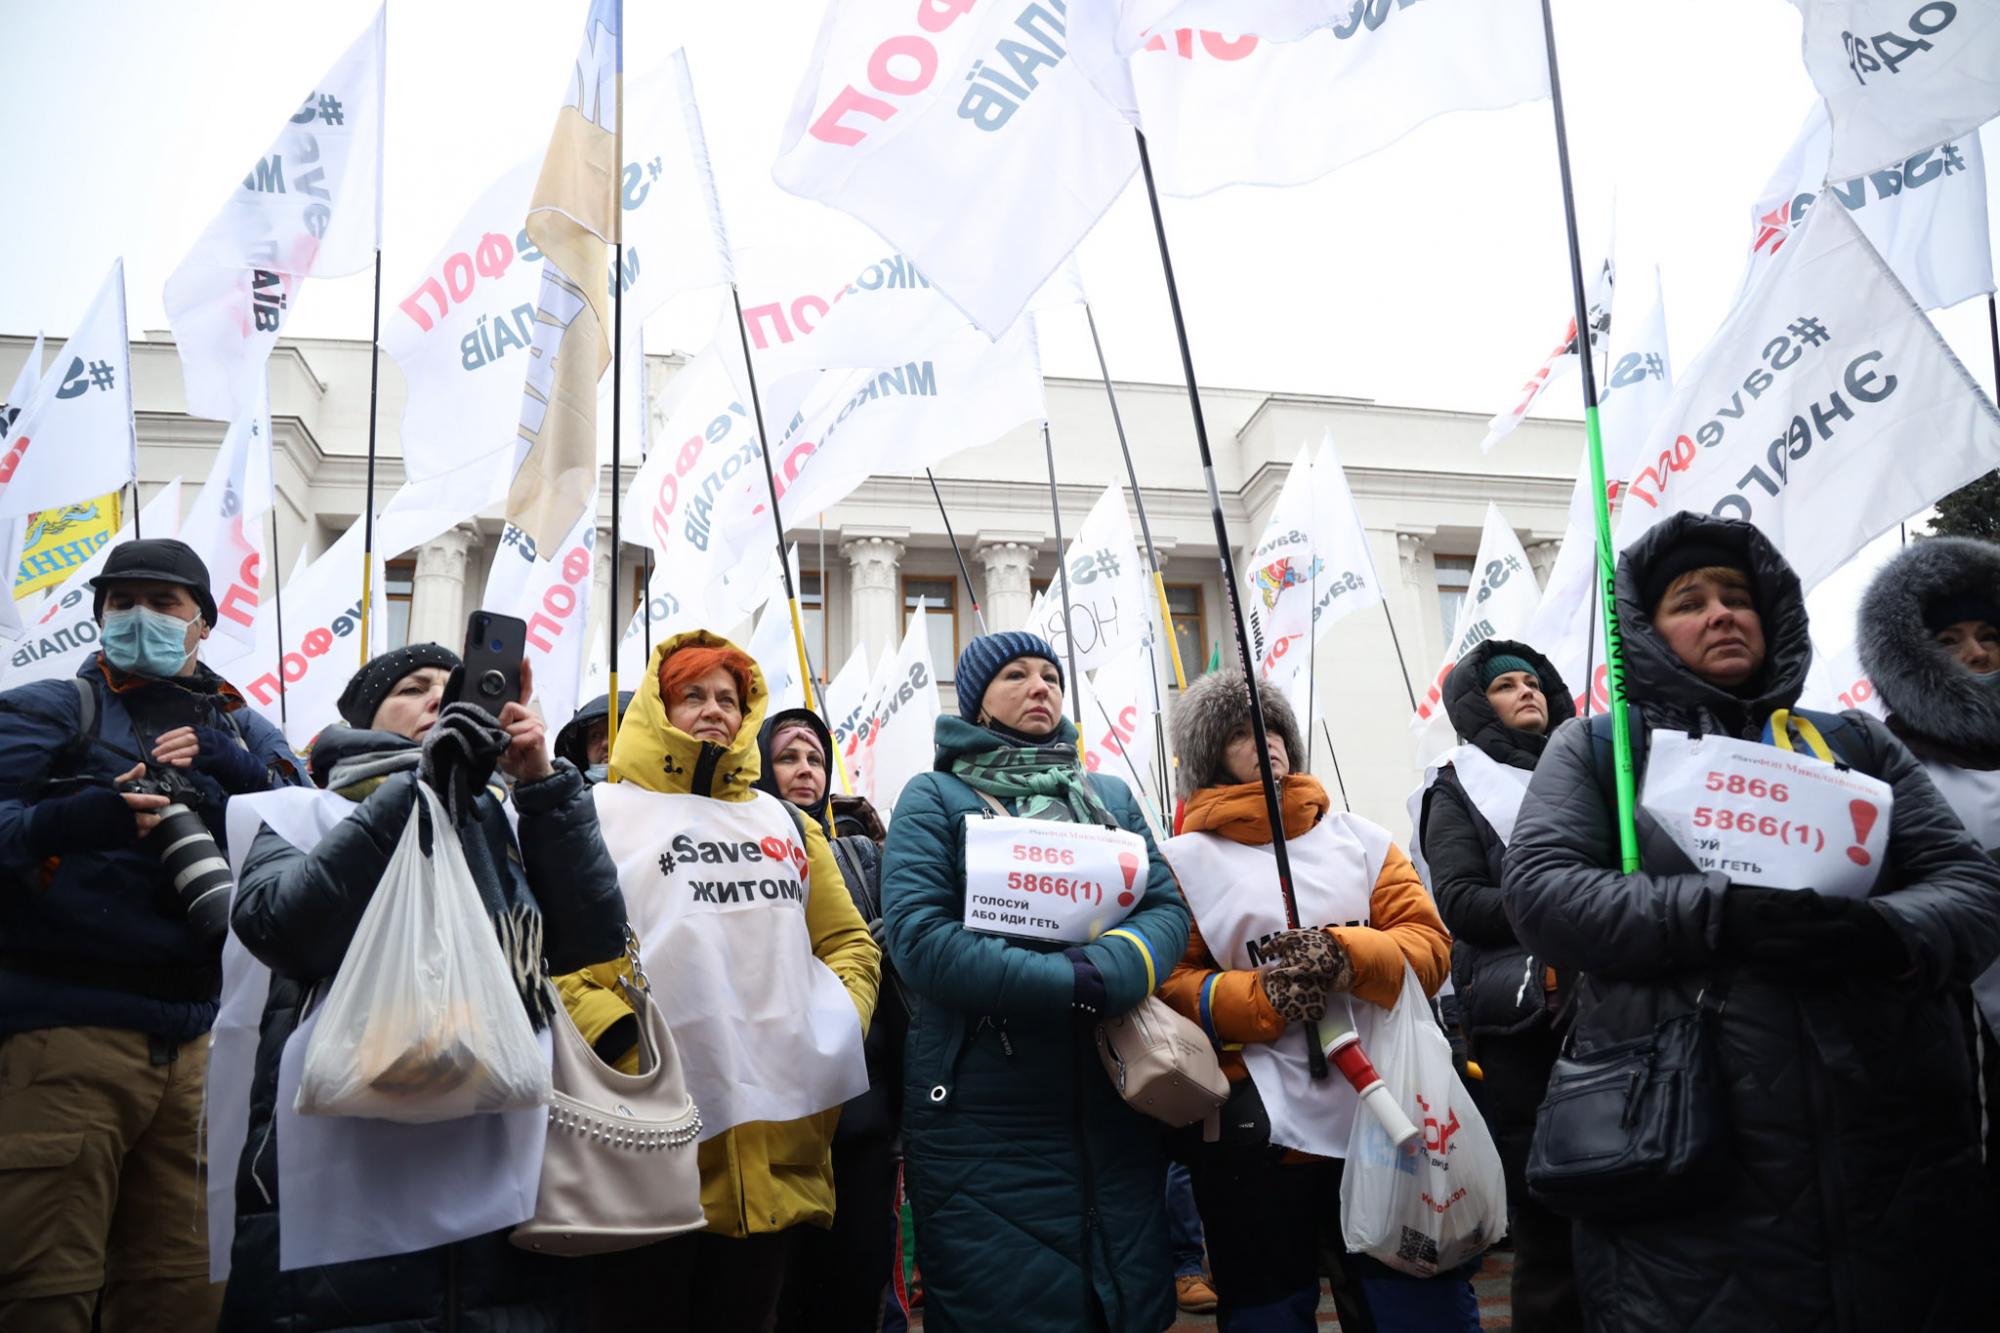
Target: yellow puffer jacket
(767,1175)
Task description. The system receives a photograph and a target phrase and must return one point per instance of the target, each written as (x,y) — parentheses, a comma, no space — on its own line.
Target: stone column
(1542,555)
(874,594)
(1009,596)
(437,596)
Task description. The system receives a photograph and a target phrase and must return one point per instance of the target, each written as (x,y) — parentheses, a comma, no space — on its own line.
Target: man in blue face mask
(109,967)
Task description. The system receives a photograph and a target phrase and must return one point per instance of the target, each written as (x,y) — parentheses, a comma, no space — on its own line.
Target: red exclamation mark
(1128,863)
(1864,815)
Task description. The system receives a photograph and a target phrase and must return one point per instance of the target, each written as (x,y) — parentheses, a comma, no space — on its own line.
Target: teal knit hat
(1499,665)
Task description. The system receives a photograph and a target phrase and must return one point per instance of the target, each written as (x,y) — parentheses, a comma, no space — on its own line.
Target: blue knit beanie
(985,655)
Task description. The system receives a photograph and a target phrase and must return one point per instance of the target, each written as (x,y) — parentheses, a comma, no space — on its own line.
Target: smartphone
(494,647)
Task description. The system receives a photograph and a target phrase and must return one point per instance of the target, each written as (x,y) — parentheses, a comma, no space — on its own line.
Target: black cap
(154,560)
(371,685)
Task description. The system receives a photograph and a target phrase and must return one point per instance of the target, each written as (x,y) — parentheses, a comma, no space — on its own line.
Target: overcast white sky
(1433,273)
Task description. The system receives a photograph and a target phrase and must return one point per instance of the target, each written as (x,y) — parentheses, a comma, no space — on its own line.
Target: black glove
(460,751)
(1090,995)
(81,821)
(1803,934)
(235,768)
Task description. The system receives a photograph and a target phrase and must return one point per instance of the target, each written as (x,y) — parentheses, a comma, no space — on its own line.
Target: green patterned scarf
(1044,782)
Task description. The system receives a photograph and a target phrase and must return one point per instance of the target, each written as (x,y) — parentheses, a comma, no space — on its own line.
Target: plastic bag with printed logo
(1443,1201)
(423,1021)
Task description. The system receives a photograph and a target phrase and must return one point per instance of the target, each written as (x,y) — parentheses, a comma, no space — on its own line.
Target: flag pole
(1333,755)
(765,444)
(612,625)
(137,531)
(1402,664)
(1607,563)
(1062,578)
(1992,330)
(1145,528)
(957,554)
(1274,808)
(278,609)
(368,493)
(1312,626)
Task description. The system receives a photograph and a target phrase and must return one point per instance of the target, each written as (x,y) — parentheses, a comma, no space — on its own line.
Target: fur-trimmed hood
(1208,711)
(1934,702)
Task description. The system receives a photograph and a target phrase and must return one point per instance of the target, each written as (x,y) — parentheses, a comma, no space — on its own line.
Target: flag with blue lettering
(310,207)
(1900,76)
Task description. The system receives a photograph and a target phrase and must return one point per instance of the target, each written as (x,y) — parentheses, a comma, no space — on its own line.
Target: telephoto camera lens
(188,850)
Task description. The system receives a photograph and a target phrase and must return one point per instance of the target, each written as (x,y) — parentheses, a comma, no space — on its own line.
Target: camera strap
(82,736)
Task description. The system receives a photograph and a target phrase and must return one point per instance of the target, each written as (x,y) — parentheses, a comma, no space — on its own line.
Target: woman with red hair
(762,967)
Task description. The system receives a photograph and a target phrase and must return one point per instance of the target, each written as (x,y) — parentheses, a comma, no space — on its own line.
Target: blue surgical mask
(143,642)
(597,773)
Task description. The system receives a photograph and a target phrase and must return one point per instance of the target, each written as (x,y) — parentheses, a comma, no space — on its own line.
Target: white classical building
(1418,477)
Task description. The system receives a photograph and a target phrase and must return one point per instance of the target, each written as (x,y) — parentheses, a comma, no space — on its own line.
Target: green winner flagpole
(1607,558)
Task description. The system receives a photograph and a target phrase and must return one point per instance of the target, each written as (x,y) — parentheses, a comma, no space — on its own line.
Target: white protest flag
(553,596)
(1826,409)
(1276,20)
(1561,358)
(1900,76)
(14,531)
(707,445)
(894,736)
(74,438)
(1500,605)
(842,702)
(1221,110)
(966,137)
(1837,680)
(1635,388)
(1926,214)
(664,614)
(1108,589)
(1311,568)
(902,419)
(60,624)
(1568,624)
(1118,736)
(462,333)
(223,525)
(310,207)
(775,651)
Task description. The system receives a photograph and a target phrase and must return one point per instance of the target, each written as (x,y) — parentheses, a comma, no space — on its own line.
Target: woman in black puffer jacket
(1504,699)
(1850,1197)
(554,895)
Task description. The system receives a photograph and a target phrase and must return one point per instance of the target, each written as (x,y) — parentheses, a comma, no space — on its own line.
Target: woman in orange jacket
(1269,1191)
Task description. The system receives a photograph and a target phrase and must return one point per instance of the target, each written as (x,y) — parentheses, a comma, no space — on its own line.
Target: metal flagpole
(278,609)
(375,393)
(136,531)
(1138,500)
(368,494)
(1397,643)
(957,554)
(1992,330)
(1273,806)
(1607,562)
(1062,579)
(1339,780)
(613,626)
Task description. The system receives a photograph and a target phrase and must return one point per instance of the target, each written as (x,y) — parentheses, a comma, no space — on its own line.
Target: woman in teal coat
(1037,1191)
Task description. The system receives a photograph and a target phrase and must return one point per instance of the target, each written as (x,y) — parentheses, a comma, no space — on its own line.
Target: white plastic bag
(423,1021)
(1438,1205)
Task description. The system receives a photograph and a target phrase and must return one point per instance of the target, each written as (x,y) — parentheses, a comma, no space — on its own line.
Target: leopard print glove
(1296,994)
(1316,953)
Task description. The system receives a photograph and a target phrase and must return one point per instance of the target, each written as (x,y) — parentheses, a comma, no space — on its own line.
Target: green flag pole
(1607,558)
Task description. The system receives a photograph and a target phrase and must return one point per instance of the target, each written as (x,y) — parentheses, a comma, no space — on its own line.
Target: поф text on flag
(1826,410)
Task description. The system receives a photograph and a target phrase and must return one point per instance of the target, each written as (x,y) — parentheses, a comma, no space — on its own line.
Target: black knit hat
(154,560)
(1685,558)
(1969,605)
(371,685)
(982,659)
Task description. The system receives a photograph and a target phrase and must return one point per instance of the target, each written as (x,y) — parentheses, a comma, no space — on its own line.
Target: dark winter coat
(296,911)
(569,742)
(1937,706)
(1849,1101)
(110,915)
(1499,983)
(878,1112)
(1038,1192)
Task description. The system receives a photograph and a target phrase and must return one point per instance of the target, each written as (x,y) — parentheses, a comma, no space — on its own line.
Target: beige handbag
(620,1167)
(1162,1064)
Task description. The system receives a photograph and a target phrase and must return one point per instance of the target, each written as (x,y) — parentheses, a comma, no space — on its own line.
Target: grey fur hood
(1939,707)
(1208,711)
